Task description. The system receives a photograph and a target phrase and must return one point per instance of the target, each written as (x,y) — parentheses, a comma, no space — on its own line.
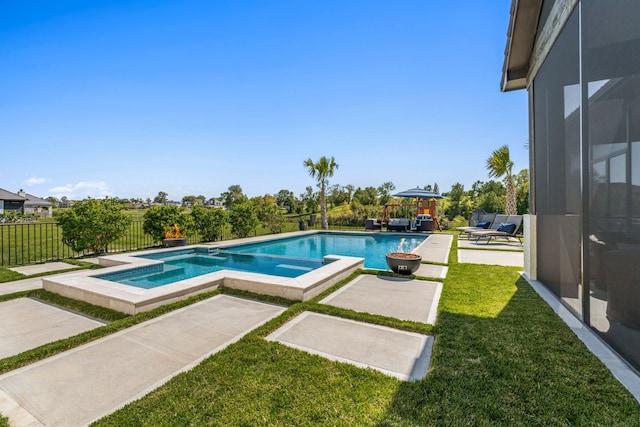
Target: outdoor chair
(424,222)
(496,220)
(507,229)
(372,224)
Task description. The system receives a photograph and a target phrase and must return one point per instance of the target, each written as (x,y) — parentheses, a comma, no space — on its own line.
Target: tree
(269,213)
(93,224)
(55,202)
(232,196)
(243,219)
(436,189)
(322,170)
(189,201)
(522,191)
(161,198)
(286,200)
(366,197)
(384,192)
(500,165)
(209,222)
(458,202)
(158,218)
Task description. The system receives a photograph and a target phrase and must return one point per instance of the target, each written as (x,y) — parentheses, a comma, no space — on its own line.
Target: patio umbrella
(418,193)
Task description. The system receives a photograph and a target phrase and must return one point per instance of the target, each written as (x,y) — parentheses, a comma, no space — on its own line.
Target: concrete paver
(404,355)
(20,286)
(436,248)
(81,385)
(432,271)
(27,324)
(491,257)
(48,267)
(492,244)
(404,299)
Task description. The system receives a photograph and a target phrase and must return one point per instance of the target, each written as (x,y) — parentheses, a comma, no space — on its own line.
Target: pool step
(290,268)
(169,271)
(206,260)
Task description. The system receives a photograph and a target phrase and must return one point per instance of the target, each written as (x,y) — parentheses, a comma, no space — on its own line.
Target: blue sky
(129,98)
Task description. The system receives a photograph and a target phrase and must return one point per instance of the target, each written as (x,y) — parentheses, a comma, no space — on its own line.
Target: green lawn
(501,357)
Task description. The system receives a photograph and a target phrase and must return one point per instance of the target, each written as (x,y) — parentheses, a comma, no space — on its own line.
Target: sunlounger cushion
(483,224)
(507,228)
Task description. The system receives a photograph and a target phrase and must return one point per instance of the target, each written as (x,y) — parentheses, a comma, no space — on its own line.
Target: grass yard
(501,358)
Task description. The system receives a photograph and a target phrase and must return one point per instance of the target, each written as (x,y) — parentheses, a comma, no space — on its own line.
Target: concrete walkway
(35,282)
(45,324)
(81,385)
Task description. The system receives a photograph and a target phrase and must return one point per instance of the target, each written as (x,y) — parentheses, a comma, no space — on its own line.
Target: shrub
(243,219)
(93,224)
(159,218)
(272,218)
(209,222)
(458,221)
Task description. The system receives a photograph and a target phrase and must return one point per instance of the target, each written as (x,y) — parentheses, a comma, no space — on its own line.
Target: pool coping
(84,286)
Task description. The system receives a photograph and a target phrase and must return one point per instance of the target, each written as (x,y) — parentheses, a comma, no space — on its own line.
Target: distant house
(214,203)
(11,202)
(24,203)
(36,205)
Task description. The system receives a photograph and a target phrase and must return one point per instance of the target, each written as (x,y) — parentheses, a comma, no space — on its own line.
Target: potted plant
(173,236)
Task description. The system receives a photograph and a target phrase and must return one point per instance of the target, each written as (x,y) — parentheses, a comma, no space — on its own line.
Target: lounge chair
(495,223)
(507,229)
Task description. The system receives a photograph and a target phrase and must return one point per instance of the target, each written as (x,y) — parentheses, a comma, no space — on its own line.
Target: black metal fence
(38,242)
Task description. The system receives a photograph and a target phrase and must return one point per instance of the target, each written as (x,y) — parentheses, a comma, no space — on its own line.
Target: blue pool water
(289,257)
(371,247)
(187,263)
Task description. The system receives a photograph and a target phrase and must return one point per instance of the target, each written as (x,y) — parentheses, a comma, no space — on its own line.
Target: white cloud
(35,180)
(81,190)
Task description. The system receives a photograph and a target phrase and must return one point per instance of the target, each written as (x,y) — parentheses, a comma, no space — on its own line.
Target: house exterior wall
(585,124)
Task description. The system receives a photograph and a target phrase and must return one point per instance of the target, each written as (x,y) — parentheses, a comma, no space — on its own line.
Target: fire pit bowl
(403,263)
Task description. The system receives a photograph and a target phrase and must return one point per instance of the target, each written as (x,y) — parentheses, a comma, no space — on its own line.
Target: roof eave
(523,22)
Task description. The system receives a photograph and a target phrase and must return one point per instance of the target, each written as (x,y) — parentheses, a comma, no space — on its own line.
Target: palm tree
(322,170)
(500,165)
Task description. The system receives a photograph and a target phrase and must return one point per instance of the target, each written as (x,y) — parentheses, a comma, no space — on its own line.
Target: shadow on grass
(521,366)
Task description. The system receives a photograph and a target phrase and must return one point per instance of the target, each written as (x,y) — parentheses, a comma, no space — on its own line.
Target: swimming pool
(371,247)
(288,257)
(184,264)
(91,286)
